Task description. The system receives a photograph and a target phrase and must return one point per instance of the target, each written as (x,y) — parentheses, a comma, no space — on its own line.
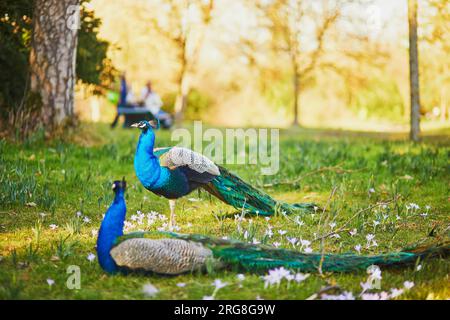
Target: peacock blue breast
(172,184)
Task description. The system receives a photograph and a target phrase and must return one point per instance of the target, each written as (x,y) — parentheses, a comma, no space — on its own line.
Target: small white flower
(219,284)
(78,213)
(375,223)
(292,240)
(366,286)
(336,235)
(53,226)
(419,267)
(305,243)
(276,244)
(374,272)
(370,237)
(332,225)
(50,282)
(258,297)
(208,298)
(150,290)
(246,235)
(299,277)
(408,284)
(86,220)
(353,232)
(375,296)
(94,232)
(344,296)
(240,277)
(181,284)
(396,292)
(371,190)
(282,232)
(91,257)
(358,248)
(427,207)
(255,241)
(307,250)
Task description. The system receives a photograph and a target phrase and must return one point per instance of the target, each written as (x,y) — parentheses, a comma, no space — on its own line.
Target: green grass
(48,183)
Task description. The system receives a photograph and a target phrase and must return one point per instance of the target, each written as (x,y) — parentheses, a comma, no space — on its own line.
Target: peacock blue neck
(110,229)
(146,164)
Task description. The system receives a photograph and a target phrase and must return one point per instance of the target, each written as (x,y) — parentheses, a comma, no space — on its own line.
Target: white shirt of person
(152,101)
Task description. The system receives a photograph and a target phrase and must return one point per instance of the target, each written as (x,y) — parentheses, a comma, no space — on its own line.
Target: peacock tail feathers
(262,258)
(234,191)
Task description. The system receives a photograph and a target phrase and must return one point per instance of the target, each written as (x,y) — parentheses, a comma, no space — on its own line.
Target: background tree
(20,108)
(184,26)
(53,56)
(289,23)
(414,71)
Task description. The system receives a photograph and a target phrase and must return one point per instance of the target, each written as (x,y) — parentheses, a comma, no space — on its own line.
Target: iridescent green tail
(234,191)
(262,258)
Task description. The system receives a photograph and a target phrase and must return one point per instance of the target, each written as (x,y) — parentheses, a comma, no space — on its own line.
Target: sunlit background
(352,58)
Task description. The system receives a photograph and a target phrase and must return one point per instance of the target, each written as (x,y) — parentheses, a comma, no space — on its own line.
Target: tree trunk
(296,87)
(183,86)
(414,71)
(52,58)
(181,99)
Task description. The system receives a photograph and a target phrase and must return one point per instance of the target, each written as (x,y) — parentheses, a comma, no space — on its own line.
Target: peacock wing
(163,256)
(178,157)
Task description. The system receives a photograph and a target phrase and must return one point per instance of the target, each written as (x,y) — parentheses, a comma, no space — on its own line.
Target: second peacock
(172,253)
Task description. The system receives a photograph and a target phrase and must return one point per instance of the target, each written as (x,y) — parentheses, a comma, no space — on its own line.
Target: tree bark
(183,84)
(296,85)
(52,58)
(414,71)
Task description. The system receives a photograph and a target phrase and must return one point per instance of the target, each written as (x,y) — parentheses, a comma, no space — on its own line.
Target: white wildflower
(219,284)
(150,290)
(408,284)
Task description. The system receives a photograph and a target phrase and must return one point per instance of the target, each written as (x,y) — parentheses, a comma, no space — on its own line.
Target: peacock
(174,172)
(172,253)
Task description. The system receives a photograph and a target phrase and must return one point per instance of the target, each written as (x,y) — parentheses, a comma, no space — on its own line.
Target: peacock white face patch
(142,125)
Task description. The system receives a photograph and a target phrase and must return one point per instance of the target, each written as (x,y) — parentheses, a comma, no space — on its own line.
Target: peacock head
(119,186)
(144,125)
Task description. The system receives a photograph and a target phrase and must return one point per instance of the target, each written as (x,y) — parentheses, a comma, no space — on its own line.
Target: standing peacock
(174,172)
(172,253)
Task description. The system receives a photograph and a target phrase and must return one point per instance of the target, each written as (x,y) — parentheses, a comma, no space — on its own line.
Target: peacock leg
(172,213)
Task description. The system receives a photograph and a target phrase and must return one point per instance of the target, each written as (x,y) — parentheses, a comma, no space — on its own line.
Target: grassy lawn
(44,185)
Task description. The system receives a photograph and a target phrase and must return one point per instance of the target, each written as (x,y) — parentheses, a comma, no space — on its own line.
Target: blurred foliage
(93,67)
(380,98)
(15,35)
(198,103)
